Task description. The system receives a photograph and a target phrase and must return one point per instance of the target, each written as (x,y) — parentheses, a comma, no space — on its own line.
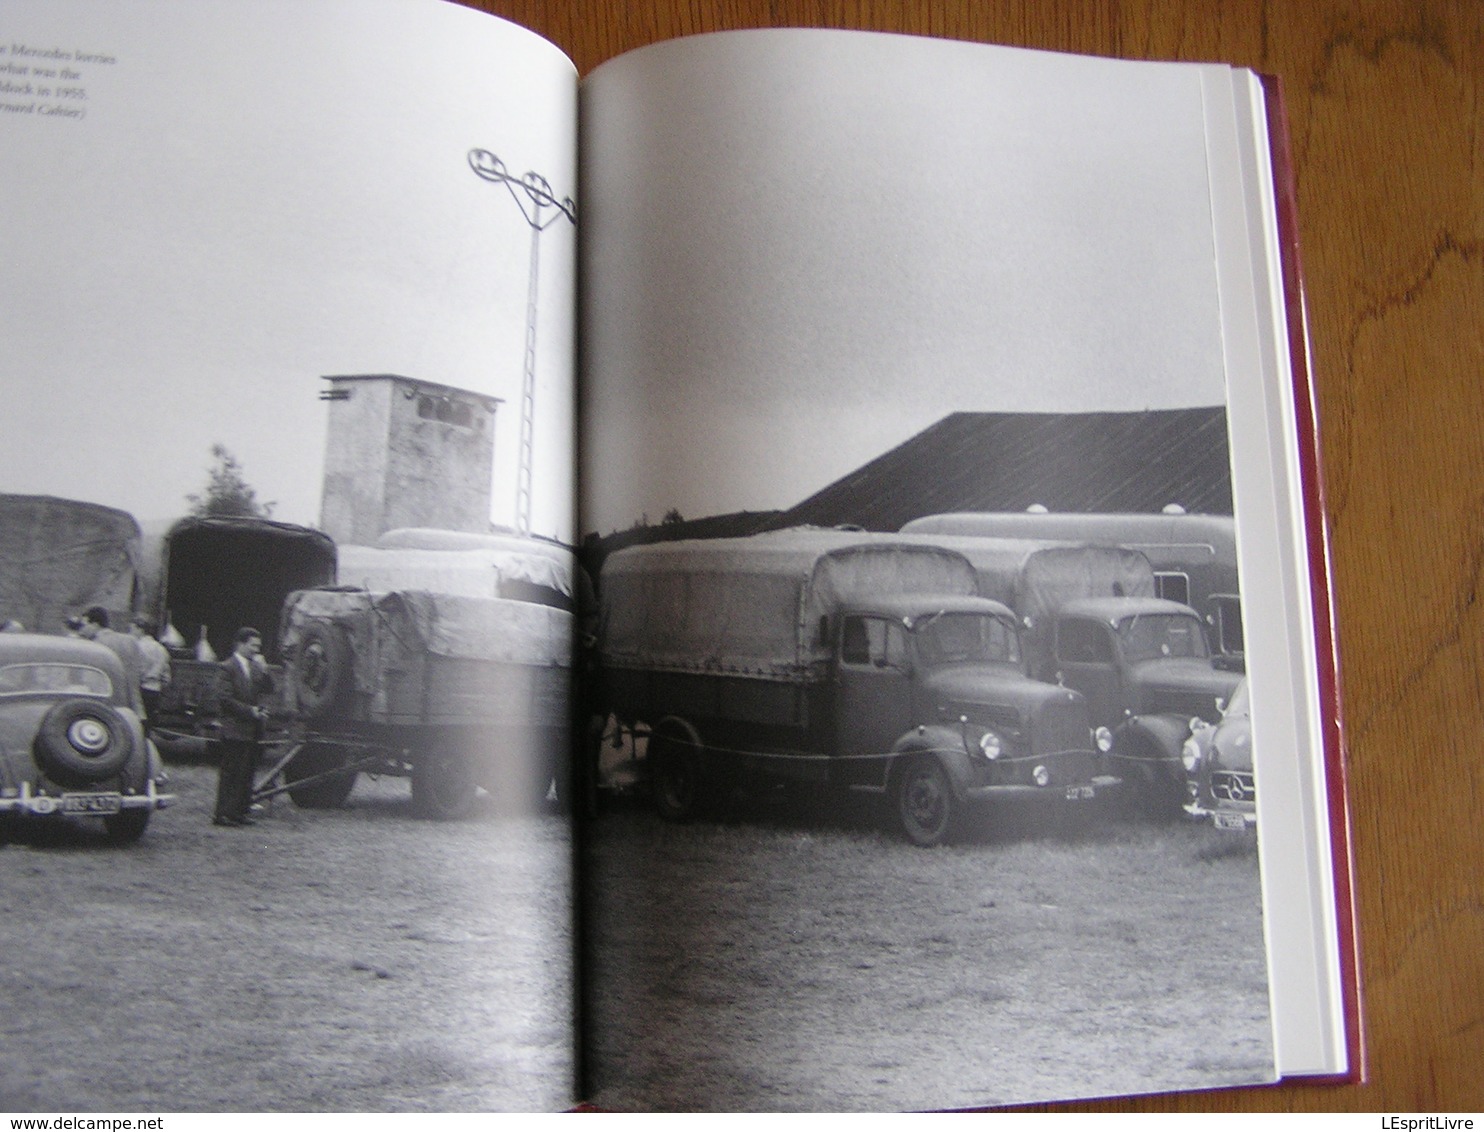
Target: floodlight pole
(539,205)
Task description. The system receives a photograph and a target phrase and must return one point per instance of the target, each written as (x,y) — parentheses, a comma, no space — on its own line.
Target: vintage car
(1218,765)
(71,741)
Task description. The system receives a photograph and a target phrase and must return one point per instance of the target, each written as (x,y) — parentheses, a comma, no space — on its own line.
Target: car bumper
(1222,819)
(1043,795)
(46,804)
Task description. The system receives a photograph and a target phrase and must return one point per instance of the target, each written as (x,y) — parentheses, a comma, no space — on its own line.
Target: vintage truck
(841,660)
(60,556)
(205,578)
(1194,556)
(455,687)
(1090,621)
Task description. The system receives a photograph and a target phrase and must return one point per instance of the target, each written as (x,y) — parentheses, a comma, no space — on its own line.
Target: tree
(227,492)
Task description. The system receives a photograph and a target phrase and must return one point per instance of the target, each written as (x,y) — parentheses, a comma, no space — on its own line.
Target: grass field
(775,960)
(359,959)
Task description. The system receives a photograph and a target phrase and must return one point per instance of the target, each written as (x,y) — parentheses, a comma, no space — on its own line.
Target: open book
(910,598)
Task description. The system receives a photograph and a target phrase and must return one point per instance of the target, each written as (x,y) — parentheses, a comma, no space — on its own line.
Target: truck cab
(1145,668)
(932,699)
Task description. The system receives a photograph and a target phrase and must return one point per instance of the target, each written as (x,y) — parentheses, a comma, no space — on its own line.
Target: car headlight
(991,745)
(1104,739)
(1190,755)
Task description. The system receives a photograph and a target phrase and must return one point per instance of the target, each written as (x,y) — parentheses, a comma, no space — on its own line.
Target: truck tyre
(675,775)
(321,670)
(126,826)
(82,741)
(925,803)
(443,786)
(326,793)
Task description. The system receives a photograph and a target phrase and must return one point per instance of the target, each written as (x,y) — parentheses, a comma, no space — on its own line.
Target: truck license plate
(91,804)
(1228,821)
(1080,793)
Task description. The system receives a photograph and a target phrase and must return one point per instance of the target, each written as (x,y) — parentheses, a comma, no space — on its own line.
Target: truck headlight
(991,745)
(1190,755)
(1104,739)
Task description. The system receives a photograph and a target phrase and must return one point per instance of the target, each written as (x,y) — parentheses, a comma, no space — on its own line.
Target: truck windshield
(949,638)
(1153,635)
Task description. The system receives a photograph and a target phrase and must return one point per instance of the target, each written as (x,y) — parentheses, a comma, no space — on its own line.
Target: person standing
(155,673)
(94,625)
(243,683)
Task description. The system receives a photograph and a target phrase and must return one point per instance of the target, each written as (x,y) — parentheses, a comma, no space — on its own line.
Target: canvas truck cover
(59,556)
(452,626)
(1035,577)
(1173,538)
(470,571)
(752,606)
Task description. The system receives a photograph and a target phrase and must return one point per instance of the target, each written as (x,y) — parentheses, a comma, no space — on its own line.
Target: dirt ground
(358,959)
(774,960)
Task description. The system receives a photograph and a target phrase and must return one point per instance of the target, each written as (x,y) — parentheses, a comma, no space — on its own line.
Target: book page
(288,303)
(888,338)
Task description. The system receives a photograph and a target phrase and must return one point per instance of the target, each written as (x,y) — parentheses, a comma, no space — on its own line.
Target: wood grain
(1388,143)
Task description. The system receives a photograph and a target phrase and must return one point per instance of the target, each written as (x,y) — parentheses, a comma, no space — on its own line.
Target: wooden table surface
(1387,126)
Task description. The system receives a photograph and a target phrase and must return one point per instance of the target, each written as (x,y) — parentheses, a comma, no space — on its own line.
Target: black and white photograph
(908,493)
(288,428)
(764,578)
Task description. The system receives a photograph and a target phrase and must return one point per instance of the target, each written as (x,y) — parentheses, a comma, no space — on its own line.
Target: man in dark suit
(242,684)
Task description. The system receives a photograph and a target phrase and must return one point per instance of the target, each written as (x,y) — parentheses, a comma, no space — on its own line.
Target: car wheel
(82,741)
(321,669)
(325,793)
(443,786)
(925,805)
(126,826)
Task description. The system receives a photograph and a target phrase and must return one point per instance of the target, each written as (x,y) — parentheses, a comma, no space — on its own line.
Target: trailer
(453,692)
(457,688)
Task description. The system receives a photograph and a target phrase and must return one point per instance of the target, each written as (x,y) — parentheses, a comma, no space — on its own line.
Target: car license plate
(91,803)
(1080,793)
(1228,821)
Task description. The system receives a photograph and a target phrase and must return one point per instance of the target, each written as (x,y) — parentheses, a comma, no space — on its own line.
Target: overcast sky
(801,248)
(259,195)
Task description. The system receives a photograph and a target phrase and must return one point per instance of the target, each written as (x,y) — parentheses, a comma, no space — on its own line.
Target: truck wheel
(925,806)
(675,777)
(126,826)
(327,793)
(443,787)
(82,741)
(321,668)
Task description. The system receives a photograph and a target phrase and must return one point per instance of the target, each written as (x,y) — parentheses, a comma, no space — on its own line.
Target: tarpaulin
(59,556)
(479,571)
(752,606)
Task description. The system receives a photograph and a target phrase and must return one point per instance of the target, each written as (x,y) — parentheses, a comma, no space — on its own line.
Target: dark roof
(595,548)
(1138,461)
